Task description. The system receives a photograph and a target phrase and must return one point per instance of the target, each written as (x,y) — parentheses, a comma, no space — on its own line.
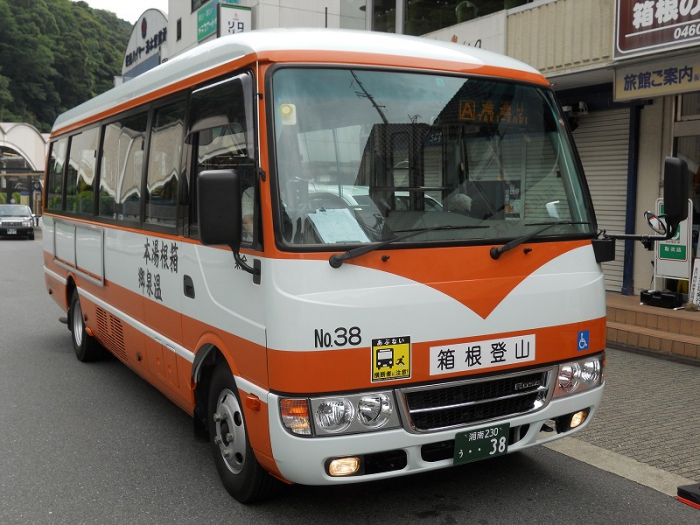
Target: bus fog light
(571,421)
(333,415)
(295,416)
(578,418)
(344,466)
(374,410)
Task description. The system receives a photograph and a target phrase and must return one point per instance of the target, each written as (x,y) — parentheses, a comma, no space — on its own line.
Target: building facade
(626,71)
(23,152)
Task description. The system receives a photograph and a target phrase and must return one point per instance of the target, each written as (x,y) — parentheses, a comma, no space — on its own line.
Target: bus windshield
(369,156)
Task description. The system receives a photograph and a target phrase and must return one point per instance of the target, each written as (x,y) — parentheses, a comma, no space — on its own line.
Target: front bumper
(303,460)
(19,231)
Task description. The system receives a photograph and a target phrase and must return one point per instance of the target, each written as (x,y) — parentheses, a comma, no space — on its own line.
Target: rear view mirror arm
(647,240)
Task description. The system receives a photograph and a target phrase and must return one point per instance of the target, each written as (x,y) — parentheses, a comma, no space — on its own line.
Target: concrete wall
(562,36)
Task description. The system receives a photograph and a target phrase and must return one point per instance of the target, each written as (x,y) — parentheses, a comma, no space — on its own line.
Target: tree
(54,55)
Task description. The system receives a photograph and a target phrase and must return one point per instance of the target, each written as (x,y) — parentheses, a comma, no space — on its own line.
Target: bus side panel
(225,306)
(143,286)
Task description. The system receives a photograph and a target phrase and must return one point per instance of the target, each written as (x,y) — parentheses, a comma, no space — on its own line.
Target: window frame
(192,144)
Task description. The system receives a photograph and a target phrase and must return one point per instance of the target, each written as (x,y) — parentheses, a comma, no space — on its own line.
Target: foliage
(54,55)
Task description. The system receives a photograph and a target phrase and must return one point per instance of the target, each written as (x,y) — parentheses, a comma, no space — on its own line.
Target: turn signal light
(295,416)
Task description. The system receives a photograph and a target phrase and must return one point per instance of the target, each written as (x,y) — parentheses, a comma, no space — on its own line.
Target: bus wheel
(239,470)
(86,347)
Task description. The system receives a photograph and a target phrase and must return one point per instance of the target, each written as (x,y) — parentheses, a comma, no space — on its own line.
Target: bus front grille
(465,403)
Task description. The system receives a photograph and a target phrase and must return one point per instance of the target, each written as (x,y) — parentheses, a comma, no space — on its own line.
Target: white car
(16,220)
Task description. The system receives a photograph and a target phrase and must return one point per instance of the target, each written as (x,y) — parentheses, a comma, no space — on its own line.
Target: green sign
(676,252)
(673,256)
(481,444)
(207,20)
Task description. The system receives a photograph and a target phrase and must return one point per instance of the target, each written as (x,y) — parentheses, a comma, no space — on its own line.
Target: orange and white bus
(347,255)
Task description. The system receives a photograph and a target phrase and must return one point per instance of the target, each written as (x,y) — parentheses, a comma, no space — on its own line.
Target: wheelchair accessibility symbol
(583,340)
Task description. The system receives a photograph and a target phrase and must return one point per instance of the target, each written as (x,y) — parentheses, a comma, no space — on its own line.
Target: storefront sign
(658,78)
(694,293)
(649,26)
(148,37)
(208,18)
(672,256)
(234,19)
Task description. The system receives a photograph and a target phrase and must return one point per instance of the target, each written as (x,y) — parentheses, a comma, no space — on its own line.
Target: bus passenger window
(81,172)
(57,160)
(164,164)
(121,168)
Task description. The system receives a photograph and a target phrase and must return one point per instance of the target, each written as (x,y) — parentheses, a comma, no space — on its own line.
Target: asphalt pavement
(648,427)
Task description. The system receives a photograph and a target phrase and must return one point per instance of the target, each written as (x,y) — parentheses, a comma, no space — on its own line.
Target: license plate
(486,442)
(11,232)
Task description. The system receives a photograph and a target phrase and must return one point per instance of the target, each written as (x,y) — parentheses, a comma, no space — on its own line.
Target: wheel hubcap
(230,431)
(78,329)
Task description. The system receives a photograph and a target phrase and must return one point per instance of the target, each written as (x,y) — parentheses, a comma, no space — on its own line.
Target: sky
(129,10)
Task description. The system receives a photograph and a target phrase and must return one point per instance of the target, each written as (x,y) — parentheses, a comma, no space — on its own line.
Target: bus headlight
(333,415)
(568,378)
(580,375)
(348,414)
(374,410)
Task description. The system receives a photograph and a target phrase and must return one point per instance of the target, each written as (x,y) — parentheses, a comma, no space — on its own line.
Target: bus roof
(267,44)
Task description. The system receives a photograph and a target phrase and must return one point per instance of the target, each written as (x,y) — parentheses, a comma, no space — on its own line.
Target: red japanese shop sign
(649,26)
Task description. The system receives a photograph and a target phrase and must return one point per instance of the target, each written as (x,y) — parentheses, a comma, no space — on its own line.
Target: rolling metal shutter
(602,139)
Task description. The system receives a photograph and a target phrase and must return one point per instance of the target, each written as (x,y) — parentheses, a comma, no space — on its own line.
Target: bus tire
(85,346)
(239,470)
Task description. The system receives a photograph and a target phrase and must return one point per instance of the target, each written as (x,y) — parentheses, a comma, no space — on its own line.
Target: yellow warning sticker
(391,358)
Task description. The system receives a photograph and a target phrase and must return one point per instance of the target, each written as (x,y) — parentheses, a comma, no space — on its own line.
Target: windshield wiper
(496,252)
(336,260)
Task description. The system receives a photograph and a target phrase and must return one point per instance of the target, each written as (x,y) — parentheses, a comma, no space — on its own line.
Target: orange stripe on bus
(470,275)
(351,369)
(299,57)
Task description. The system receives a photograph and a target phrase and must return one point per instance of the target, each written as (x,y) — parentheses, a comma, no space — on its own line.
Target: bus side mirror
(219,208)
(676,185)
(676,193)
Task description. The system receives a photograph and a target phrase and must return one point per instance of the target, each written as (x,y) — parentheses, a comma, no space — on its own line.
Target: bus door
(219,296)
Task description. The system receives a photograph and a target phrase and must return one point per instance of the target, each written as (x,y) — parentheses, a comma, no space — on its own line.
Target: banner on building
(694,292)
(667,76)
(643,27)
